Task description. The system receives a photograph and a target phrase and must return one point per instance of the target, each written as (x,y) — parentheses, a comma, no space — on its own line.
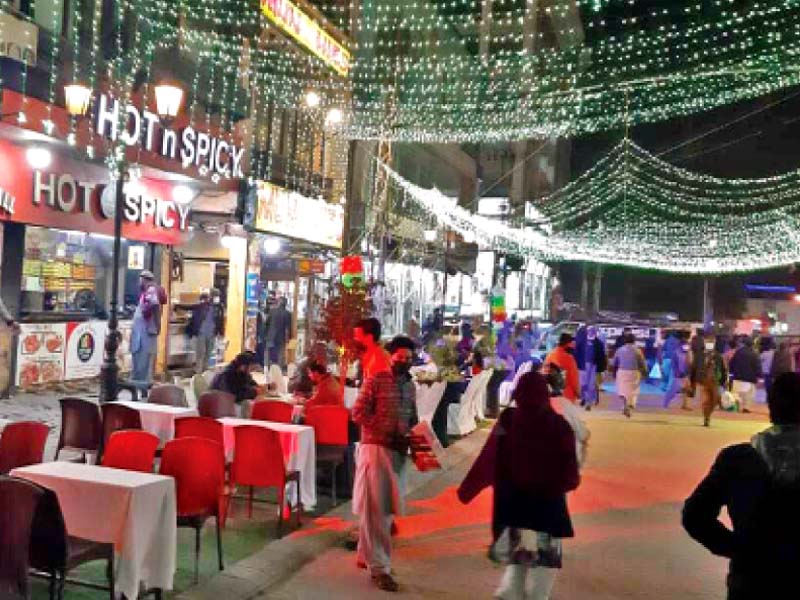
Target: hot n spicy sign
(70,195)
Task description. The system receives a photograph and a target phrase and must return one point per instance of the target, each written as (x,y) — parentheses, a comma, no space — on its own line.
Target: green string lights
(636,210)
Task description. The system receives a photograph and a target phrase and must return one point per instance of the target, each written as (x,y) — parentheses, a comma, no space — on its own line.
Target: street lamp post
(169,98)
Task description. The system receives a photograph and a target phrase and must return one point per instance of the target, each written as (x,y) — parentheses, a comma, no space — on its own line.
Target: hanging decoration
(636,210)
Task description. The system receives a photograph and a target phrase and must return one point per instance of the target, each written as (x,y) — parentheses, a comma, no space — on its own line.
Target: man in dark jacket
(279,332)
(759,484)
(206,324)
(745,369)
(590,354)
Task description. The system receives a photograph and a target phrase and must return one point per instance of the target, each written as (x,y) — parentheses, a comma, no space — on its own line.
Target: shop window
(70,272)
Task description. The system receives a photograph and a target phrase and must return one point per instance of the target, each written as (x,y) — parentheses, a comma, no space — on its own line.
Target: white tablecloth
(428,399)
(4,423)
(134,511)
(299,453)
(159,419)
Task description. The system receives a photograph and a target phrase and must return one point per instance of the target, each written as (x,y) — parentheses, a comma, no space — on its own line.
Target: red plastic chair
(202,427)
(216,404)
(198,467)
(330,425)
(272,410)
(258,462)
(117,417)
(22,444)
(132,450)
(81,428)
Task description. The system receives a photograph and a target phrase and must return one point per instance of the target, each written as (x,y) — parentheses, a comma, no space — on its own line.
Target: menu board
(40,354)
(53,352)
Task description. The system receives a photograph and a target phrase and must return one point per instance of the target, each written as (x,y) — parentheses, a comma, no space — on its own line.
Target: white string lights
(636,210)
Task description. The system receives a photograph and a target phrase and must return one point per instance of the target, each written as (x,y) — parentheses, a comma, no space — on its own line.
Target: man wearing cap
(208,323)
(562,357)
(146,328)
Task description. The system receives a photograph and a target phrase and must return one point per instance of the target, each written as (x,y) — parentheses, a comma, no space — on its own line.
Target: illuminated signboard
(292,20)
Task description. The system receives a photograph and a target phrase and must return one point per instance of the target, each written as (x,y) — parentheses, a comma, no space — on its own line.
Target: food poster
(40,354)
(124,358)
(84,354)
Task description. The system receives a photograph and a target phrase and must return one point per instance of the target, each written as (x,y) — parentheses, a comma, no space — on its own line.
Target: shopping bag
(426,450)
(655,372)
(729,400)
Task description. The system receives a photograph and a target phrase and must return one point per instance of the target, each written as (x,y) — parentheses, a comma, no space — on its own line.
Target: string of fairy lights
(635,209)
(461,70)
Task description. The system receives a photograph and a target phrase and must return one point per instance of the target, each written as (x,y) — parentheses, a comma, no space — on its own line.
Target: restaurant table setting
(159,419)
(299,453)
(134,511)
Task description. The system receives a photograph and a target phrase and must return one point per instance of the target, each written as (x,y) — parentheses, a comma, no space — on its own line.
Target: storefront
(57,215)
(294,241)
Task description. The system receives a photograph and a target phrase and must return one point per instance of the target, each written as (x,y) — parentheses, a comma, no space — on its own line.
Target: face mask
(401,368)
(216,300)
(709,345)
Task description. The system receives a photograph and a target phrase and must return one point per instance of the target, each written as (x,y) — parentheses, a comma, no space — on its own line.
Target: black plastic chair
(216,404)
(168,395)
(81,429)
(19,501)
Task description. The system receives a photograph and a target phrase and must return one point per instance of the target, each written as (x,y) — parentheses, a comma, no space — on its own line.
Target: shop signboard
(53,352)
(282,212)
(75,195)
(307,266)
(292,20)
(84,352)
(40,354)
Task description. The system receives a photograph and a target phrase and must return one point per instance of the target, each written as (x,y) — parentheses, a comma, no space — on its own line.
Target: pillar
(236,301)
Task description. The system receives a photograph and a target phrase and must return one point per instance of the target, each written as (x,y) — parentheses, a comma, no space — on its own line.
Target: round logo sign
(86,345)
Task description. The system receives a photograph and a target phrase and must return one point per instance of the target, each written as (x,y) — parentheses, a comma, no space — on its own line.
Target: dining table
(4,423)
(159,419)
(134,511)
(299,453)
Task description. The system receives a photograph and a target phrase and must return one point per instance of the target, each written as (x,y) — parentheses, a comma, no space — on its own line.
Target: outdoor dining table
(4,423)
(299,453)
(159,419)
(134,511)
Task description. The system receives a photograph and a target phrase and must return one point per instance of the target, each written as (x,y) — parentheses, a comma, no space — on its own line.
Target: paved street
(629,542)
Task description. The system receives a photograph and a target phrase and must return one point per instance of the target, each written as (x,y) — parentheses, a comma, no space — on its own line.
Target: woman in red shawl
(530,461)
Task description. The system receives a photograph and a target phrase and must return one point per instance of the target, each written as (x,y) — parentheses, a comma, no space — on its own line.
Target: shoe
(706,422)
(588,407)
(627,412)
(746,410)
(385,582)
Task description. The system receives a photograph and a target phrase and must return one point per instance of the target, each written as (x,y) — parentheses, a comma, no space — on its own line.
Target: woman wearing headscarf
(530,461)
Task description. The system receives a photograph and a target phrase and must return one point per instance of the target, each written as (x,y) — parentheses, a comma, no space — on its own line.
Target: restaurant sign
(282,212)
(194,148)
(293,21)
(76,195)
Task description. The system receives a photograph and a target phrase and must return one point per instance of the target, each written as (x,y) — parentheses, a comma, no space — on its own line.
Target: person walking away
(376,497)
(630,367)
(530,516)
(595,362)
(668,351)
(711,377)
(696,351)
(145,329)
(562,356)
(676,369)
(279,332)
(745,368)
(327,391)
(650,353)
(783,361)
(759,485)
(620,341)
(206,324)
(374,359)
(767,355)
